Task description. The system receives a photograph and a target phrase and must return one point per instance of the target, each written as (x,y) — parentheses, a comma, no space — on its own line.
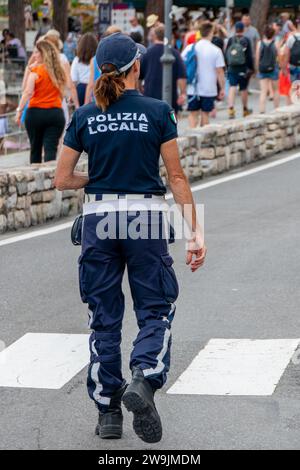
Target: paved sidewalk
(14,159)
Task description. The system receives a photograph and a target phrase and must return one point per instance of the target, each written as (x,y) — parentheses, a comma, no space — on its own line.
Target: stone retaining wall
(28,198)
(222,147)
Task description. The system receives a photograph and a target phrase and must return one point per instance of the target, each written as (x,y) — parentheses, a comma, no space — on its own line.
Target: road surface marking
(242,174)
(224,367)
(43,360)
(237,367)
(36,233)
(196,188)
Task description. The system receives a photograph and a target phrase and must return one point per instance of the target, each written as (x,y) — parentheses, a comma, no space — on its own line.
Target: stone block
(197,172)
(221,164)
(237,146)
(48,196)
(37,197)
(22,187)
(33,215)
(65,207)
(220,151)
(48,183)
(20,219)
(39,180)
(3,179)
(32,186)
(3,223)
(208,153)
(11,202)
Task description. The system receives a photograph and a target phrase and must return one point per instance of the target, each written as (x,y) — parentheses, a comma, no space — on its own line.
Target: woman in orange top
(44,120)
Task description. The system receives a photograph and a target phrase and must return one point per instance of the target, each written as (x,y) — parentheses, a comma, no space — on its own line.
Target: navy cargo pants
(154,290)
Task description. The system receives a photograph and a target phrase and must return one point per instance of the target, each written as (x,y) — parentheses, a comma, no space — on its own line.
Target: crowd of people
(212,63)
(222,60)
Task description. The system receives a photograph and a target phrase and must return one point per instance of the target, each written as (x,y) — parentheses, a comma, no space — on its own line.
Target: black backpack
(295,53)
(236,53)
(268,57)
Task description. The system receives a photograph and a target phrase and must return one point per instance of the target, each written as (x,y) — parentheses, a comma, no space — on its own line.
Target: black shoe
(110,425)
(139,398)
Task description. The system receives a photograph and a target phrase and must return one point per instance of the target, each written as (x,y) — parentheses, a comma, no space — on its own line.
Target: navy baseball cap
(119,50)
(239,26)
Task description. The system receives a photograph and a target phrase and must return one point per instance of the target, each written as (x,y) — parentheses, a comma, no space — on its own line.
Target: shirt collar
(131,93)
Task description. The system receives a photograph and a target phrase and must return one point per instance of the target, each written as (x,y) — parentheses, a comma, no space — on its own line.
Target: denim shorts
(270,75)
(295,73)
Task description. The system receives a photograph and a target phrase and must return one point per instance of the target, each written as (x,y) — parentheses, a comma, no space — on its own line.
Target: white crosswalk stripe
(237,367)
(242,367)
(42,360)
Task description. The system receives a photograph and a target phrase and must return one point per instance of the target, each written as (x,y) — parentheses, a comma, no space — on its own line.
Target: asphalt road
(248,289)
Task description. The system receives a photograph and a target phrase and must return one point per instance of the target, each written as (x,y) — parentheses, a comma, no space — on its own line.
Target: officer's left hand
(196,254)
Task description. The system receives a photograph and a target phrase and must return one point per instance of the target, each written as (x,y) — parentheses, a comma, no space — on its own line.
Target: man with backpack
(292,54)
(205,70)
(239,58)
(268,67)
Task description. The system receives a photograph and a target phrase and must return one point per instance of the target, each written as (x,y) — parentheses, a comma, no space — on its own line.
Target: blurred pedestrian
(44,28)
(277,26)
(219,37)
(151,71)
(53,36)
(152,22)
(70,47)
(292,54)
(28,17)
(35,19)
(285,83)
(44,90)
(94,69)
(13,43)
(209,72)
(178,38)
(80,69)
(239,58)
(5,37)
(251,33)
(136,27)
(267,65)
(193,34)
(287,24)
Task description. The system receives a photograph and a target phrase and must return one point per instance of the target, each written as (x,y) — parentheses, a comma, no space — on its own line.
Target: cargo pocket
(82,280)
(168,278)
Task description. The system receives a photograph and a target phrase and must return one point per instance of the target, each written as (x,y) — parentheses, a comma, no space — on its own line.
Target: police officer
(124,134)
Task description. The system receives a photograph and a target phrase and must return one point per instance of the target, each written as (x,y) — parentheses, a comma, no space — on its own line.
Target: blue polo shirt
(123,143)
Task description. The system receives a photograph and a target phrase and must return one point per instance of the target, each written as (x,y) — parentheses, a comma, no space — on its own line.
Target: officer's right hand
(196,253)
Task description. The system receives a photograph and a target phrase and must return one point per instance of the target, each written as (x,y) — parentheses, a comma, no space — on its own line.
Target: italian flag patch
(173,117)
